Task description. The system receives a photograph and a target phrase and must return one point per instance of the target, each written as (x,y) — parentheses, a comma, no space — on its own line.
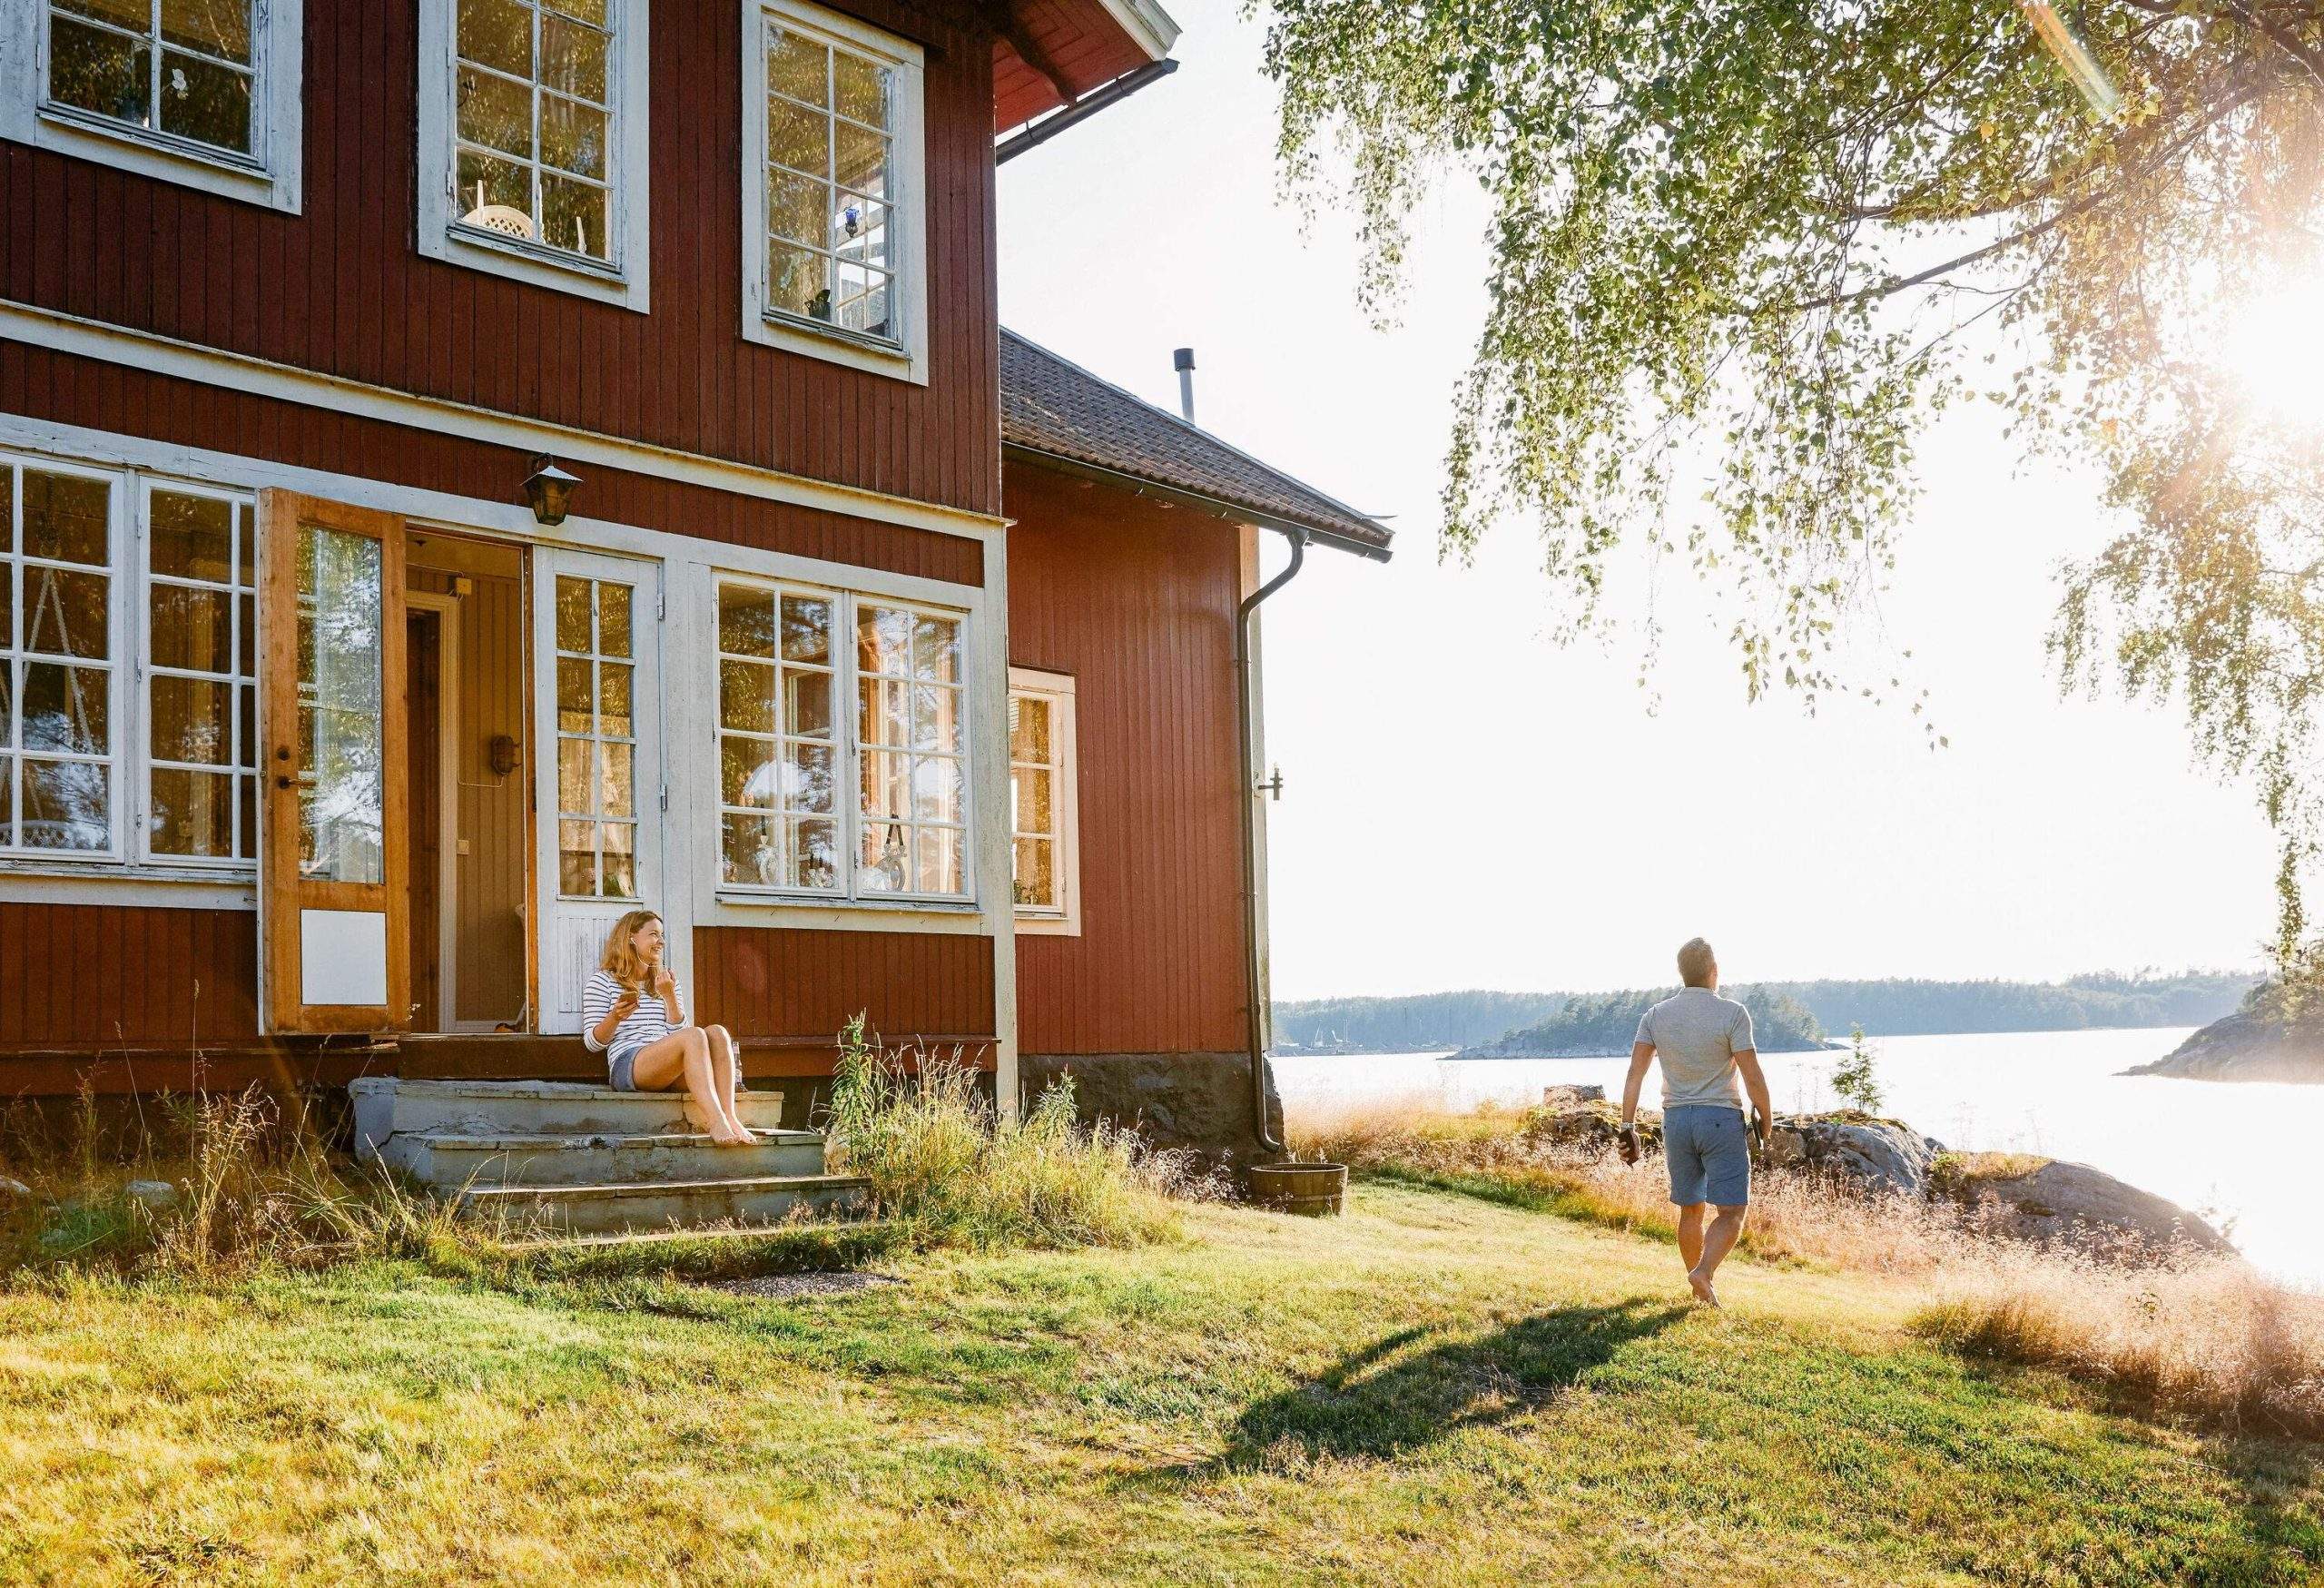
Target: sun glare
(2274,352)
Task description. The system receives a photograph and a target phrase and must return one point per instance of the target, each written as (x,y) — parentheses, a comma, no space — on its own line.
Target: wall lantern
(550,490)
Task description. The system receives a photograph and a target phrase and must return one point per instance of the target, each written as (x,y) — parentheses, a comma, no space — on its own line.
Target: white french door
(597,641)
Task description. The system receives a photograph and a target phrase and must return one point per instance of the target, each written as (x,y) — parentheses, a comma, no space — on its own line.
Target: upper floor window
(199,91)
(833,217)
(1043,802)
(533,141)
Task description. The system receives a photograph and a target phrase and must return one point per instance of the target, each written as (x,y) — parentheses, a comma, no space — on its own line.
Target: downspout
(1254,1029)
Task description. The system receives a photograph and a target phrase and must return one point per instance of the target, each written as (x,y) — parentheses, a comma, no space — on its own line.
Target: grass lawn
(1434,1389)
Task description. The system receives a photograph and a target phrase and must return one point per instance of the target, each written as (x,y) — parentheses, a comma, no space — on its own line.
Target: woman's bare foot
(726,1135)
(1701,1286)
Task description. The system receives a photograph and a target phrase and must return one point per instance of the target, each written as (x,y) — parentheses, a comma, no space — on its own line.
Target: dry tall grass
(939,1158)
(2191,1334)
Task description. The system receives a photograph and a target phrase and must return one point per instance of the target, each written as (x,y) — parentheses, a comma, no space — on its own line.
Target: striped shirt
(648,1022)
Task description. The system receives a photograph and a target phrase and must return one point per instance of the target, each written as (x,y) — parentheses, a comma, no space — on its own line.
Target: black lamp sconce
(500,754)
(549,489)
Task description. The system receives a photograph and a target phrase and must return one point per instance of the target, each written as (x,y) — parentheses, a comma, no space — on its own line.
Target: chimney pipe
(1182,359)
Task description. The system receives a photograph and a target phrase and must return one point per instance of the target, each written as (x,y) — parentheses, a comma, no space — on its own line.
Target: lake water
(2244,1154)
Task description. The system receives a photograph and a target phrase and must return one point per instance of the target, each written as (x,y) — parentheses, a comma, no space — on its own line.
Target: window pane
(939,861)
(573,215)
(100,71)
(498,194)
(1028,728)
(859,231)
(883,717)
(865,297)
(7,705)
(246,801)
(935,649)
(747,850)
(936,719)
(215,27)
(573,136)
(572,765)
(68,805)
(863,88)
(592,12)
(796,67)
(616,781)
(190,720)
(614,682)
(573,58)
(1030,797)
(193,812)
(573,615)
(574,696)
(807,781)
(618,866)
(860,159)
(7,612)
(798,281)
(745,620)
(498,33)
(65,613)
(1036,874)
(577,858)
(887,785)
(191,537)
(814,854)
(342,788)
(938,791)
(496,112)
(205,101)
(797,207)
(250,725)
(746,697)
(807,704)
(612,620)
(885,864)
(806,629)
(883,640)
(745,770)
(249,641)
(136,16)
(65,518)
(798,136)
(7,801)
(67,709)
(191,628)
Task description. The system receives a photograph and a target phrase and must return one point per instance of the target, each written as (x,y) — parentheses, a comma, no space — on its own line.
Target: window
(199,91)
(128,655)
(832,172)
(533,141)
(817,799)
(596,741)
(1043,802)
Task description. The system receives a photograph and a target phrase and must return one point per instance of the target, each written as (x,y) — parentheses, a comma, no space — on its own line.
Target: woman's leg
(685,1055)
(727,1067)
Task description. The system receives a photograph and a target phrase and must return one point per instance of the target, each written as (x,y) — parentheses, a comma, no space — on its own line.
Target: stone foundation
(1200,1101)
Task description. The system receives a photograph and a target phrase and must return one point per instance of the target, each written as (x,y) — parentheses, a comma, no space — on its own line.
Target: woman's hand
(665,984)
(623,1007)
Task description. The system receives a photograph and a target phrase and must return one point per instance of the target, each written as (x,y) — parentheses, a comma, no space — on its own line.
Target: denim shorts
(1708,1149)
(621,1066)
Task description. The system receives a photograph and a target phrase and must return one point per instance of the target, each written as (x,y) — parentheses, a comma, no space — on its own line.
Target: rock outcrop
(2254,1044)
(2071,1204)
(1879,1155)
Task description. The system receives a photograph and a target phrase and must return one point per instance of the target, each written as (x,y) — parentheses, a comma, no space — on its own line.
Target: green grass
(1434,1389)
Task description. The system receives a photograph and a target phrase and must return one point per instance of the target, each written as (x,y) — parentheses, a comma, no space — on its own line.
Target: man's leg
(1691,1234)
(1717,1242)
(1726,1162)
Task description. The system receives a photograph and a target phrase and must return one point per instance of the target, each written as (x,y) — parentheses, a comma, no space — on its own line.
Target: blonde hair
(1695,962)
(620,960)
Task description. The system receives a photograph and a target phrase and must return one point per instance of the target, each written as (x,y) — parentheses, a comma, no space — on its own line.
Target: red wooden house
(893,659)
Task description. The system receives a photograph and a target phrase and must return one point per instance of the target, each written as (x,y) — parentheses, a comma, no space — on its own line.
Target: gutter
(1082,110)
(1246,689)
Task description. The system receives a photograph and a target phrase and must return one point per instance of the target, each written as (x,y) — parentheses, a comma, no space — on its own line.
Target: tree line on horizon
(1892,1007)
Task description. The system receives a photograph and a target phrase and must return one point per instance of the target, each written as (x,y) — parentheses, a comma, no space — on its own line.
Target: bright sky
(1466,803)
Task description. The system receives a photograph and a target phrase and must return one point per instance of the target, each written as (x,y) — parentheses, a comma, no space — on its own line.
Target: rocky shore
(2023,1198)
(2254,1044)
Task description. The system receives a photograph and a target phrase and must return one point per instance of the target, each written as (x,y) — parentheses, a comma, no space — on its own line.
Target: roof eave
(1153,28)
(1201,502)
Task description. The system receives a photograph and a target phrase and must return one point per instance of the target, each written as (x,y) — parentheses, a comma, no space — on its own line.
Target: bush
(941,1158)
(1855,1080)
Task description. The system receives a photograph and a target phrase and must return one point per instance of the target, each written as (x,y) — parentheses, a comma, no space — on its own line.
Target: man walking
(1703,1040)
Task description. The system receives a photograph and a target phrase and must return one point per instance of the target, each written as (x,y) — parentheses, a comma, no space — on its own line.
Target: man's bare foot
(1701,1288)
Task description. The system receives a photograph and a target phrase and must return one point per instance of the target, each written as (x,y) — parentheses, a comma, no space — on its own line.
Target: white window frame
(907,357)
(130,667)
(141,753)
(622,278)
(269,175)
(1062,919)
(847,759)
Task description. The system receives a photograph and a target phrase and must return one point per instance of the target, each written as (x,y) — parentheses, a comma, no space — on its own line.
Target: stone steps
(447,1160)
(385,1107)
(665,1205)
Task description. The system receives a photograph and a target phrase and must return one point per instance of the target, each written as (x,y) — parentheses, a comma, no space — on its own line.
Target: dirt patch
(803,1286)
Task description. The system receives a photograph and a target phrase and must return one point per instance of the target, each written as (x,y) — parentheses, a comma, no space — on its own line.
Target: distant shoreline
(1445,1050)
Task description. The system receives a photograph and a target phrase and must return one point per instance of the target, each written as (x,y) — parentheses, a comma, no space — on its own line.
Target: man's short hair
(1695,962)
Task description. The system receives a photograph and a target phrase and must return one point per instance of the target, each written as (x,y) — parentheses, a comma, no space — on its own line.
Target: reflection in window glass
(596,741)
(57,657)
(201,693)
(779,825)
(182,67)
(830,185)
(343,771)
(912,787)
(533,129)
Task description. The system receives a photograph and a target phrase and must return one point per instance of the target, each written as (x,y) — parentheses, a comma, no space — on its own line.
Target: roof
(1051,53)
(1054,409)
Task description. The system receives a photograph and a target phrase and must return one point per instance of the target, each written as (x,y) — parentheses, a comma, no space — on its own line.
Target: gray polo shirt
(1697,1035)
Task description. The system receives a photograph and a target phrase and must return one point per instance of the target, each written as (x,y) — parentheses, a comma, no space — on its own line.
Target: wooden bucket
(1311,1190)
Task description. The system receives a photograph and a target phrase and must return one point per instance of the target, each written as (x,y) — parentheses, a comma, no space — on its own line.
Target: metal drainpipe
(1255,1027)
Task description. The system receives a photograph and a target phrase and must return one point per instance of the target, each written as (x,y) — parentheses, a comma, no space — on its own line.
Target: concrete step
(606,1209)
(448,1161)
(386,1106)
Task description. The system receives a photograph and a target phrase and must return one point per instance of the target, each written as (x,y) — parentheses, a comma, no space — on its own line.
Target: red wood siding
(87,976)
(1137,602)
(800,986)
(75,391)
(341,289)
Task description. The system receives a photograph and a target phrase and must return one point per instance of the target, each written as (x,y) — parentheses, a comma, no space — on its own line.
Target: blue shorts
(1708,1151)
(621,1066)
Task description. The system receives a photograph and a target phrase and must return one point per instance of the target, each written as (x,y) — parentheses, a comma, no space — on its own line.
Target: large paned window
(842,748)
(199,91)
(1043,820)
(831,177)
(597,740)
(128,662)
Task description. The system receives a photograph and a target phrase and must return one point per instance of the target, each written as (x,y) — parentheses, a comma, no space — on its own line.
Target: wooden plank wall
(74,390)
(1137,600)
(798,986)
(85,976)
(341,289)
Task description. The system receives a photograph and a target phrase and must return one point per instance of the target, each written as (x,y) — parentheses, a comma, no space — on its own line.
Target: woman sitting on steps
(633,1012)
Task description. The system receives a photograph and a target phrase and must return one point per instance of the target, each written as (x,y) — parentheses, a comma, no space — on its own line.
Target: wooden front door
(334,862)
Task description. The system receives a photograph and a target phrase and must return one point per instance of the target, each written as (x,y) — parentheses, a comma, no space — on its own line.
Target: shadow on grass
(1380,1402)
